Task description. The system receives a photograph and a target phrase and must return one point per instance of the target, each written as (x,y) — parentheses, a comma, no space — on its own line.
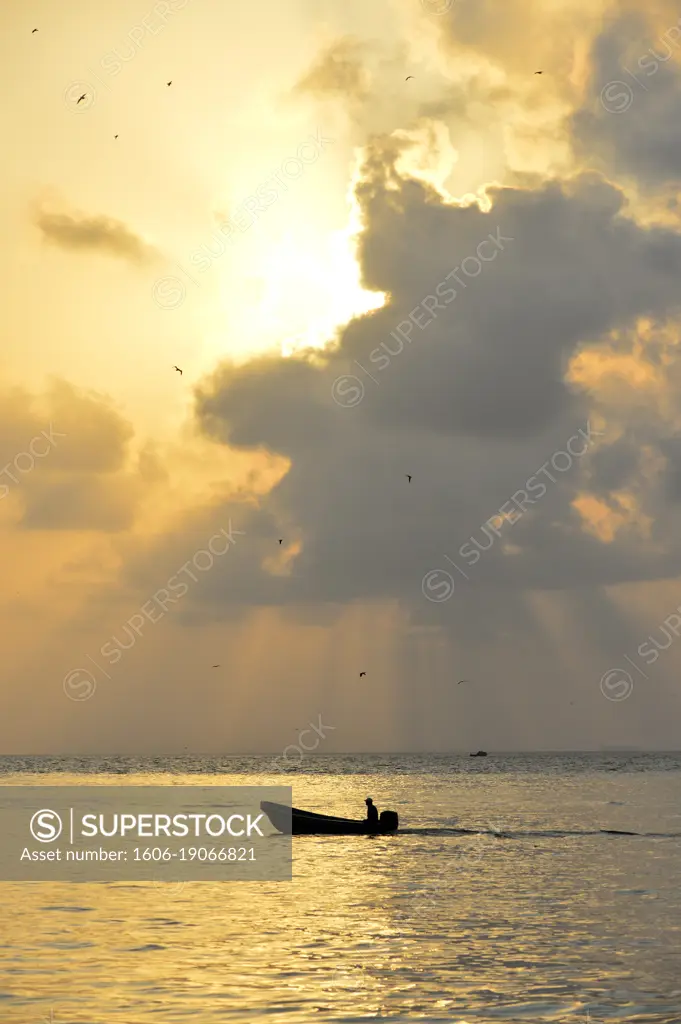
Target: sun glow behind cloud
(292,288)
(312,285)
(309,292)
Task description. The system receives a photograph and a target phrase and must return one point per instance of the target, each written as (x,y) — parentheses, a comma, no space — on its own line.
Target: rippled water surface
(502,901)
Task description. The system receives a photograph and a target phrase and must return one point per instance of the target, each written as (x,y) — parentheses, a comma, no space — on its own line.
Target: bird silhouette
(539,72)
(362,674)
(177,368)
(34,30)
(169,83)
(83,97)
(408,476)
(216,666)
(408,77)
(461,681)
(281,540)
(115,136)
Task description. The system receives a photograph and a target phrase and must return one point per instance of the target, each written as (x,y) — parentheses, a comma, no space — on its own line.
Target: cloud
(80,232)
(64,456)
(501,328)
(339,71)
(473,404)
(79,502)
(231,409)
(520,36)
(94,434)
(630,122)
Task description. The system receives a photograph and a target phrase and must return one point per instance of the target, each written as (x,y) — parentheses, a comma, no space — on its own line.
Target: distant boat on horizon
(480,753)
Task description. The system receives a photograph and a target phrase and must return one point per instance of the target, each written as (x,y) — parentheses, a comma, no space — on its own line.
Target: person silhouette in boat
(372,813)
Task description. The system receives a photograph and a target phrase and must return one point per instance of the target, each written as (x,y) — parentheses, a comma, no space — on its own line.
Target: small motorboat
(480,753)
(291,821)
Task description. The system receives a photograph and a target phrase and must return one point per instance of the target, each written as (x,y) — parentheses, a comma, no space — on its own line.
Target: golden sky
(270,222)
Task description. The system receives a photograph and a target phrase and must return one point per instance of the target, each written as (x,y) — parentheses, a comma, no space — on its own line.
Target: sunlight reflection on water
(512,924)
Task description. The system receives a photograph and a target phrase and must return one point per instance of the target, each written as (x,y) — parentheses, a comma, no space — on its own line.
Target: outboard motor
(389,821)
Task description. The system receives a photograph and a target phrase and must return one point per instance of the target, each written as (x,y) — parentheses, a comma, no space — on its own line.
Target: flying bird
(34,30)
(408,476)
(461,681)
(216,666)
(539,72)
(169,83)
(408,77)
(177,368)
(281,539)
(362,674)
(115,136)
(83,97)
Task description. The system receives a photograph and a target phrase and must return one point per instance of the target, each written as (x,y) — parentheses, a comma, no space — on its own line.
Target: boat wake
(539,834)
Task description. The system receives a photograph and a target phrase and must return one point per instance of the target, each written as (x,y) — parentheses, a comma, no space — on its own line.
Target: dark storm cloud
(631,122)
(613,467)
(671,449)
(79,232)
(485,310)
(231,406)
(472,404)
(492,362)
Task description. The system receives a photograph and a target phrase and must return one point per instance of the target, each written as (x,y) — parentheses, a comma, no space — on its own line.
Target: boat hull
(292,821)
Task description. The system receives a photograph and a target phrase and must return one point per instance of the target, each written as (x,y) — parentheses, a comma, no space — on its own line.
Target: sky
(469,277)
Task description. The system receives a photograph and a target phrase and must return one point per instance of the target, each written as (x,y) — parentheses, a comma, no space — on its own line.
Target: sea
(514,892)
